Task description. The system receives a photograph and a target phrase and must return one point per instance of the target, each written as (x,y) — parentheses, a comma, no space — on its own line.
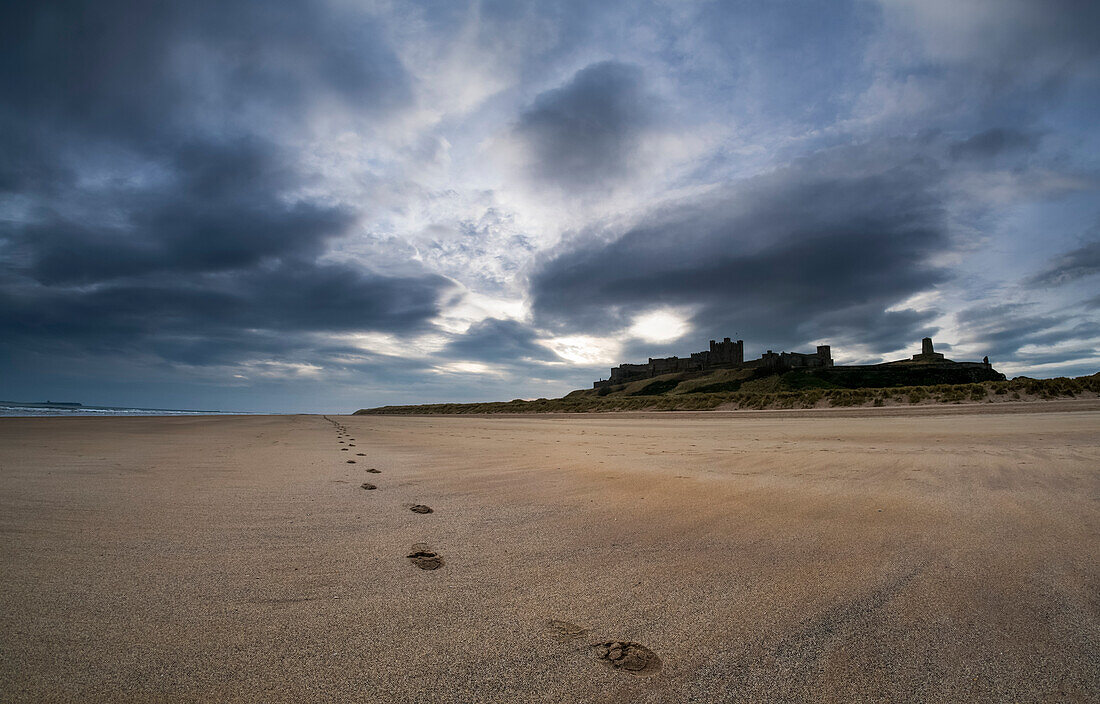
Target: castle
(729,354)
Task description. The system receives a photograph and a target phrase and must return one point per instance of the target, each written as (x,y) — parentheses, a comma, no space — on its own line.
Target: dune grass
(766,395)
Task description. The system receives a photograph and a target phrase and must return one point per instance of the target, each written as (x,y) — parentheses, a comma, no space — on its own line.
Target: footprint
(343,449)
(372,470)
(351,444)
(424,558)
(351,461)
(368,486)
(420,508)
(360,454)
(634,658)
(568,630)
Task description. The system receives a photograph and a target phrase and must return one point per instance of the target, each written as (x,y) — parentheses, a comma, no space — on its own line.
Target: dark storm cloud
(1004,328)
(96,96)
(994,142)
(588,131)
(219,210)
(1077,264)
(1029,47)
(498,341)
(818,250)
(157,199)
(1058,35)
(121,65)
(266,308)
(130,91)
(872,326)
(1001,331)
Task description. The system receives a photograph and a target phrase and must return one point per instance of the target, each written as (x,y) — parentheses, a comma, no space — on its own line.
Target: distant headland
(53,404)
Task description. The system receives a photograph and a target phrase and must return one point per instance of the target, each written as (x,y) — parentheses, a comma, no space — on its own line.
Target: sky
(323,206)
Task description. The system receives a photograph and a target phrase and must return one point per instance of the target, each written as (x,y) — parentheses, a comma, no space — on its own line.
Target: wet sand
(810,557)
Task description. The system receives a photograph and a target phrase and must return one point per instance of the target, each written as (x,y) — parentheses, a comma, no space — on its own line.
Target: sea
(49,408)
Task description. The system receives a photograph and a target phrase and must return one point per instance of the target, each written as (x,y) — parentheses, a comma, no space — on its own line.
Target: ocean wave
(21,410)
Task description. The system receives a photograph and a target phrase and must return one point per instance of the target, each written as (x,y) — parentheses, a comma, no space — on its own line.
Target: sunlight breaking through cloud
(662,325)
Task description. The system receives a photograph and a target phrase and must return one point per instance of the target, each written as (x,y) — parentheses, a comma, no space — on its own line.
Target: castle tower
(927,354)
(727,352)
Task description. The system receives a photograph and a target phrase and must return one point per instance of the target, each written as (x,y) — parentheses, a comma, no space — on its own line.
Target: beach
(928,554)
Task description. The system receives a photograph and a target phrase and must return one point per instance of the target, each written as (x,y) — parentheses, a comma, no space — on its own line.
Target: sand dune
(910,556)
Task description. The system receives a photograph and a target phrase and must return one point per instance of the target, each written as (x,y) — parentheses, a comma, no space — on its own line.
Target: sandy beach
(932,555)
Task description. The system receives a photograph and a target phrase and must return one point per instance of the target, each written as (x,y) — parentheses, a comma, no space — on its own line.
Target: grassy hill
(743,389)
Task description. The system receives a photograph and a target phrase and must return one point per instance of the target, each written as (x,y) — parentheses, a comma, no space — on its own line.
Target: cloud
(214,317)
(97,65)
(994,142)
(1019,331)
(1001,35)
(977,65)
(1076,264)
(587,133)
(660,326)
(816,250)
(220,209)
(154,199)
(504,342)
(140,138)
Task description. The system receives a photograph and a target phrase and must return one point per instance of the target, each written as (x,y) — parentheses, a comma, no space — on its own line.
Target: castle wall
(721,355)
(731,354)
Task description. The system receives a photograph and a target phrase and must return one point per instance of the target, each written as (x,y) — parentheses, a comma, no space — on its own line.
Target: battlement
(727,354)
